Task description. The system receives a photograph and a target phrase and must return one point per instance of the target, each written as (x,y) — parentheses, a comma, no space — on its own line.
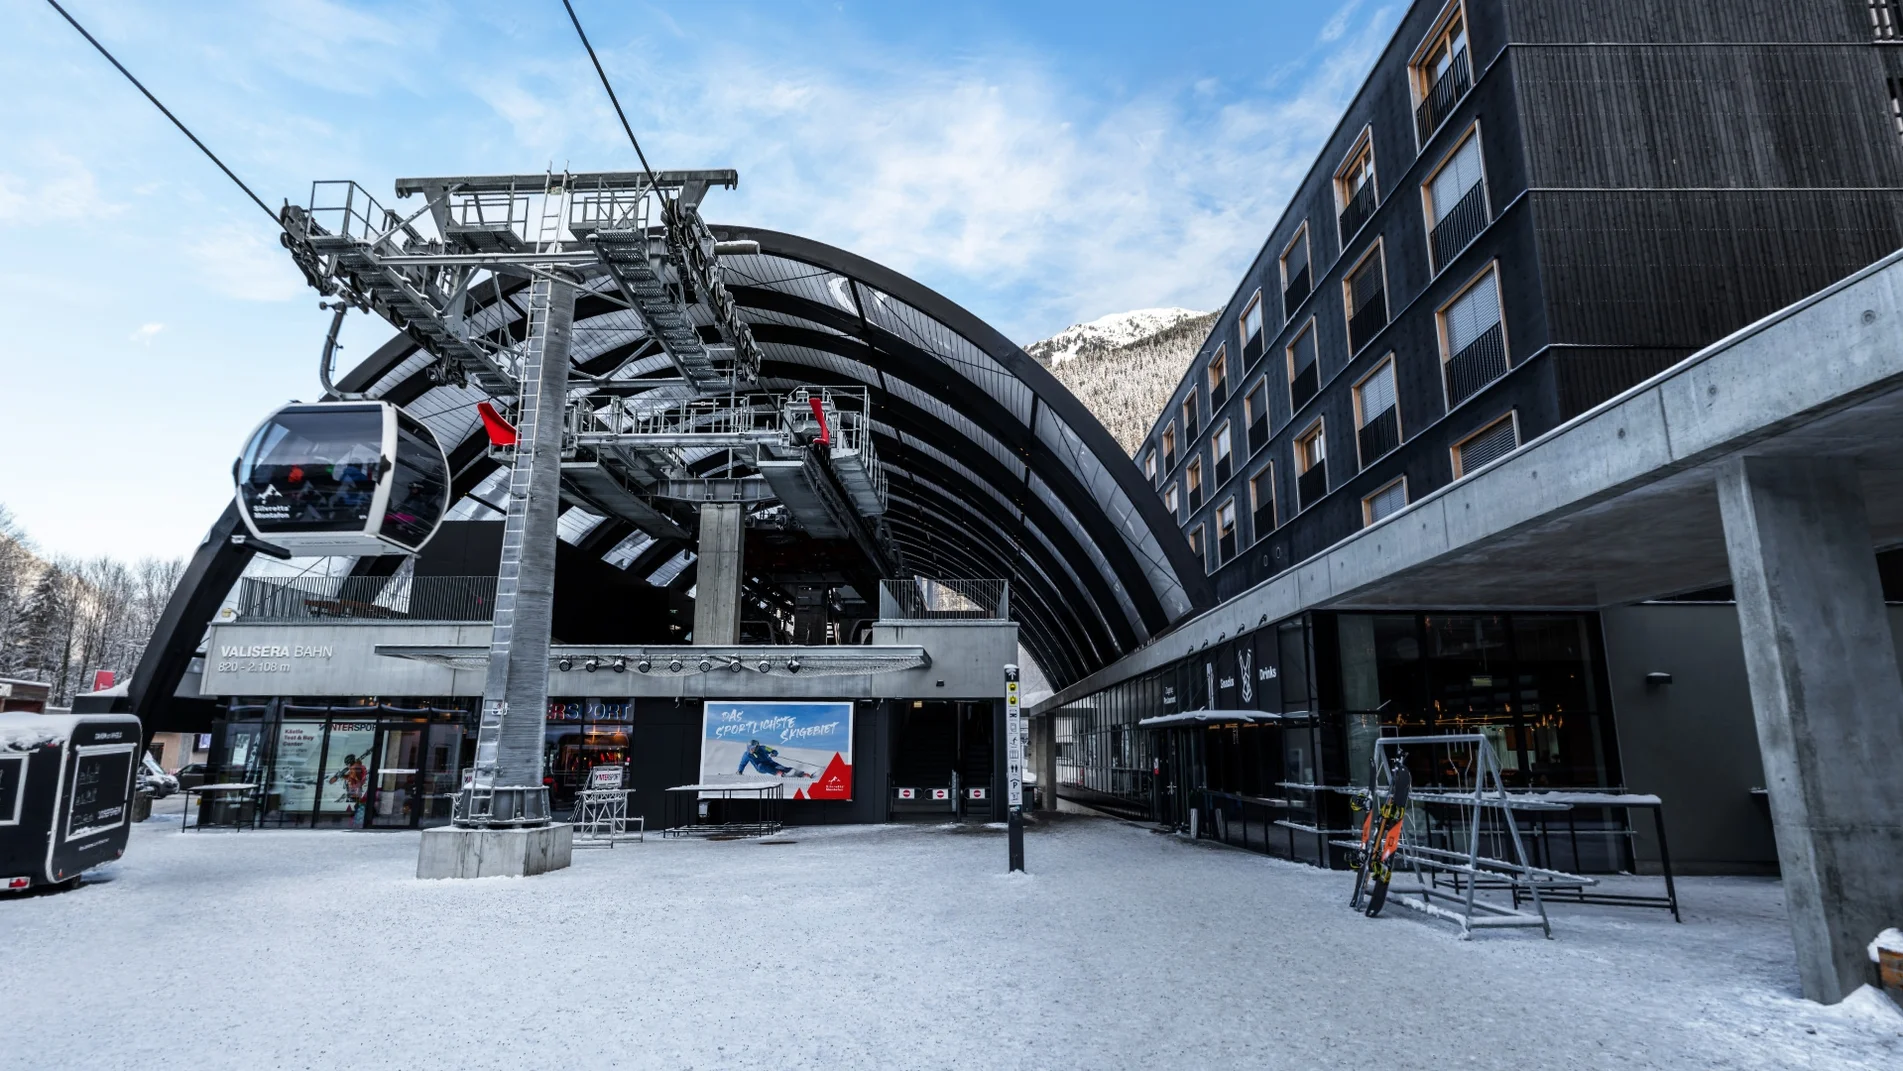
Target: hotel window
(1442,72)
(1377,418)
(1149,466)
(1255,413)
(1304,377)
(1193,478)
(1226,531)
(1365,290)
(1487,445)
(1191,413)
(1220,453)
(1251,328)
(1295,280)
(1218,378)
(1262,502)
(1169,448)
(1473,343)
(1456,202)
(1386,501)
(1170,500)
(1196,544)
(1354,187)
(1311,466)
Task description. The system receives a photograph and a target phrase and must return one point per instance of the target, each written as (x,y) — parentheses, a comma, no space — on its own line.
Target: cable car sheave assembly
(362,477)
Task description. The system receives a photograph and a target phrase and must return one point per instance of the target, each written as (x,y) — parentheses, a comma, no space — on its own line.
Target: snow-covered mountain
(1105,333)
(1125,366)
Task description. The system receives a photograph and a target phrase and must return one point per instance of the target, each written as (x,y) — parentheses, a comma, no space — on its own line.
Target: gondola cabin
(66,784)
(356,478)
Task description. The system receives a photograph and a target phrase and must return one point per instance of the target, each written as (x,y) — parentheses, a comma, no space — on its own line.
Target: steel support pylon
(506,784)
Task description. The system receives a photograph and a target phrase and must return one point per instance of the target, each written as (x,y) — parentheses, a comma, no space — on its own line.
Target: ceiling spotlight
(706,664)
(565,664)
(734,665)
(792,665)
(674,665)
(765,666)
(621,664)
(591,665)
(644,665)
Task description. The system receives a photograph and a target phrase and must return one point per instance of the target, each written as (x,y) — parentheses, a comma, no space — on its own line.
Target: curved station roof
(992,468)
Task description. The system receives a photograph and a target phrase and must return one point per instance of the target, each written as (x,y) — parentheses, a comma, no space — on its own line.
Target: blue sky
(1040,163)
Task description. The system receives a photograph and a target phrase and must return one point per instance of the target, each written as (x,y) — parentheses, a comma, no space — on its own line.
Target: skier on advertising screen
(356,778)
(761,758)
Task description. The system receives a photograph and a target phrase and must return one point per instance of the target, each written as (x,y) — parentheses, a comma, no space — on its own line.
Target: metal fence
(423,598)
(924,599)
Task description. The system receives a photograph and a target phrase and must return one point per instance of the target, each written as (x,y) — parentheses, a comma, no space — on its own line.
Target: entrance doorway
(942,758)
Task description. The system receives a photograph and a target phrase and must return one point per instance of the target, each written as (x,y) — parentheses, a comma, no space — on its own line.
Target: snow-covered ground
(880,947)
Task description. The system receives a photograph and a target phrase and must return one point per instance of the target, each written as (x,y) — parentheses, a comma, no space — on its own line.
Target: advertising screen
(101,777)
(807,745)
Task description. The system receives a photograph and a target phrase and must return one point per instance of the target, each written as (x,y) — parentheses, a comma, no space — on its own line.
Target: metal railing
(1307,381)
(1295,294)
(1310,486)
(367,598)
(1481,362)
(1379,435)
(1258,433)
(1356,212)
(340,208)
(1252,350)
(1371,315)
(1453,84)
(925,599)
(1459,227)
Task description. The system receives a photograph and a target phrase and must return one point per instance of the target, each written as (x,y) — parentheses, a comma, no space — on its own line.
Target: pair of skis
(1380,836)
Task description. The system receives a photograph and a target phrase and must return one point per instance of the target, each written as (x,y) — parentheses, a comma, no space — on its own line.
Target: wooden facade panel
(1680,21)
(1676,270)
(1707,117)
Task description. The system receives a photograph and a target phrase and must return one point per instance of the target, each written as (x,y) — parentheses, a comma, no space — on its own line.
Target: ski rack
(1455,876)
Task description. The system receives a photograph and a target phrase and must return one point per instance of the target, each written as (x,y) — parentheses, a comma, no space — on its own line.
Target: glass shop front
(1315,692)
(361,763)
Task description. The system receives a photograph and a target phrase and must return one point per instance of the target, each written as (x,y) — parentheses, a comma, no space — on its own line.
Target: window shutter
(1470,317)
(1461,174)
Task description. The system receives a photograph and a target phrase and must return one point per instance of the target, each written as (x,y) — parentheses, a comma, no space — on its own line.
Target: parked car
(191,775)
(154,781)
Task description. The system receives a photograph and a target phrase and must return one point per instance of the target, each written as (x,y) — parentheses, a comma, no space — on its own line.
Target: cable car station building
(773,471)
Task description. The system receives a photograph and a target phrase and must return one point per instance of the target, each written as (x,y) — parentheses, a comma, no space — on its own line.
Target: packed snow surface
(874,947)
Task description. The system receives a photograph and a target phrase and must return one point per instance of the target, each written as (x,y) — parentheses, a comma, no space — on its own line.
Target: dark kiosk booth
(65,795)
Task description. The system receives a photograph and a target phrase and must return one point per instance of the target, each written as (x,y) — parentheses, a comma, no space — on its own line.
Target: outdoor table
(764,791)
(240,788)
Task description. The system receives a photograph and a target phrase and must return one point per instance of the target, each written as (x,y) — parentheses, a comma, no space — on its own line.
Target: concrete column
(1044,736)
(719,570)
(515,693)
(1828,701)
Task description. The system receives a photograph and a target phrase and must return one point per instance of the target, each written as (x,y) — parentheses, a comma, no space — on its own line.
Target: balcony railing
(1258,433)
(1190,423)
(1303,387)
(1458,228)
(1379,435)
(1195,497)
(1371,315)
(1169,461)
(1356,211)
(1480,363)
(1226,547)
(925,599)
(1252,350)
(373,598)
(1298,288)
(1453,84)
(1263,519)
(1224,467)
(1310,486)
(1218,393)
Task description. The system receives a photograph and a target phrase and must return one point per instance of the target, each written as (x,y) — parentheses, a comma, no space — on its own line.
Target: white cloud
(244,261)
(1335,27)
(60,188)
(146,333)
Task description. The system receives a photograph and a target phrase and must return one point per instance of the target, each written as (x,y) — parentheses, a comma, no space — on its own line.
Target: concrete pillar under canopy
(719,571)
(1828,701)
